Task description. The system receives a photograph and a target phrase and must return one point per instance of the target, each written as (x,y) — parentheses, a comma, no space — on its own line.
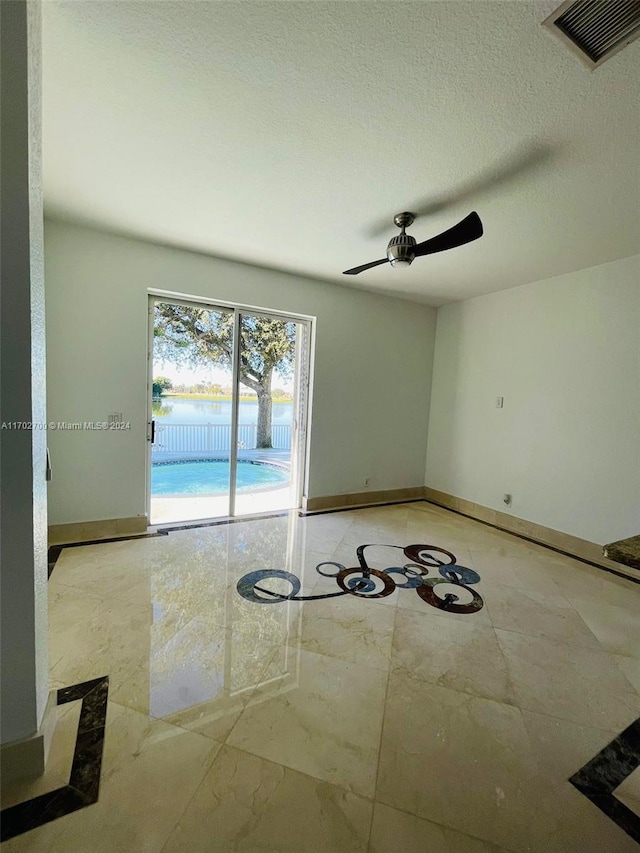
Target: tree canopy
(160,385)
(201,336)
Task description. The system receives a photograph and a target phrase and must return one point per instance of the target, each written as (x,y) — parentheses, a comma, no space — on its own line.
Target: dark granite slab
(84,782)
(626,551)
(598,779)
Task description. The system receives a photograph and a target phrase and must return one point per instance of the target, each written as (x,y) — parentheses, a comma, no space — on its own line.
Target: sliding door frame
(304,363)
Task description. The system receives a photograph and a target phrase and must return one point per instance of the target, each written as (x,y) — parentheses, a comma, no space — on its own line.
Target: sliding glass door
(228,397)
(268,413)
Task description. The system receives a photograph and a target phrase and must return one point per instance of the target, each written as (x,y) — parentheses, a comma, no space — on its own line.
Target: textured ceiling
(283,134)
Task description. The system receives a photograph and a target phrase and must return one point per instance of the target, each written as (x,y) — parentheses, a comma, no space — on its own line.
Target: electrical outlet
(506,498)
(367,482)
(499,402)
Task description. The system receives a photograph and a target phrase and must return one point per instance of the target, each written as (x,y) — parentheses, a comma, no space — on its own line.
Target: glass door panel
(192,405)
(269,393)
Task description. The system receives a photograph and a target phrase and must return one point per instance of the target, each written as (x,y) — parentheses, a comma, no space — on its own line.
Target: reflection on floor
(338,724)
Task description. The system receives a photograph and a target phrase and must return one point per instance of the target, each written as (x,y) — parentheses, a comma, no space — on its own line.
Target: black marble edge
(220,521)
(80,691)
(599,778)
(84,782)
(55,550)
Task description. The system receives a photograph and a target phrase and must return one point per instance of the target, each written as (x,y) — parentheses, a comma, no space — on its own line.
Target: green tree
(160,385)
(200,336)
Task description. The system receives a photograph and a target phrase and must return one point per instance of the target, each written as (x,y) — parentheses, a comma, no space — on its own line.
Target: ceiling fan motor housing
(400,250)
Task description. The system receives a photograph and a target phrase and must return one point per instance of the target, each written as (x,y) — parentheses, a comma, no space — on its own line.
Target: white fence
(207,438)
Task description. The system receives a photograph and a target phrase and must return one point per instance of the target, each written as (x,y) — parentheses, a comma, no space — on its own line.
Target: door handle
(48,471)
(153,431)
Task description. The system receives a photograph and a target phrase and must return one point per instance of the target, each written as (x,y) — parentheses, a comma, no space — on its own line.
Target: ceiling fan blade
(364,267)
(468,229)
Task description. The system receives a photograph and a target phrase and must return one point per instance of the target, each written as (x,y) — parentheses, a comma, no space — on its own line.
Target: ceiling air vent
(596,29)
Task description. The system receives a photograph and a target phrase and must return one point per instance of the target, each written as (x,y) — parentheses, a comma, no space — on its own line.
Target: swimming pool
(211,477)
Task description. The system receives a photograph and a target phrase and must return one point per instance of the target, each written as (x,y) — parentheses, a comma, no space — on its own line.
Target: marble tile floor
(348,723)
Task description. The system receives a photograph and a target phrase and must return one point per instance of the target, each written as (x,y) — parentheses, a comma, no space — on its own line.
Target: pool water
(211,477)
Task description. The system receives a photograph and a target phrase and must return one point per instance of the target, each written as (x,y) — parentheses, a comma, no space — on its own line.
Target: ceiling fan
(403,249)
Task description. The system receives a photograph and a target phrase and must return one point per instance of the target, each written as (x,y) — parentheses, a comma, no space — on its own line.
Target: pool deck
(172,510)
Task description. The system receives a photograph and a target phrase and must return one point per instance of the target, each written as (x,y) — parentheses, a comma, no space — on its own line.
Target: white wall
(565,355)
(372,368)
(23,525)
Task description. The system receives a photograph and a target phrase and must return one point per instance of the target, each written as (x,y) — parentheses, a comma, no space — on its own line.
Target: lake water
(172,410)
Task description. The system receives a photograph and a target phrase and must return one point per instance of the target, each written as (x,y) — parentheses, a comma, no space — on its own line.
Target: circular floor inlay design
(430,568)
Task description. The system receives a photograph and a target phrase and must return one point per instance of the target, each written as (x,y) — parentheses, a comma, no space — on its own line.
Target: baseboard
(363,499)
(573,545)
(85,531)
(26,758)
